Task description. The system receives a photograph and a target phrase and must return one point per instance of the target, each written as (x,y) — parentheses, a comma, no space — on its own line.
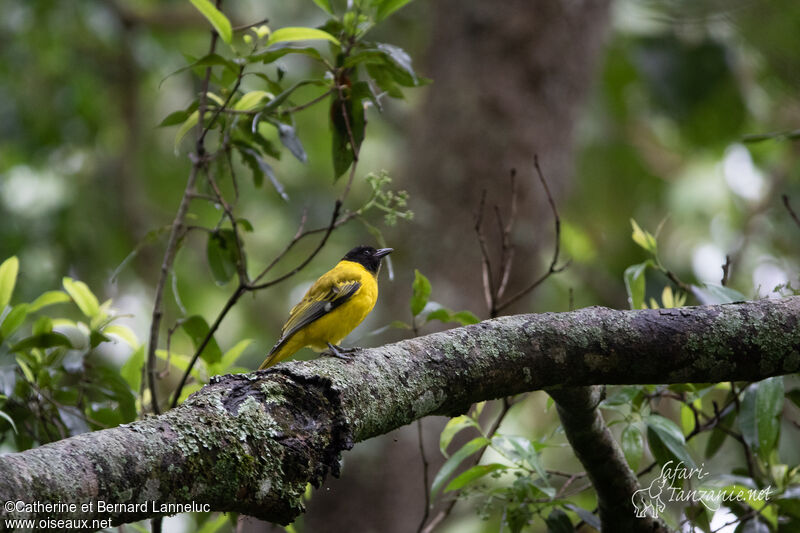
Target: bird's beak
(382,252)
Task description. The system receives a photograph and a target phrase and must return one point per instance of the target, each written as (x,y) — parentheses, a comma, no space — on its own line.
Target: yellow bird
(334,305)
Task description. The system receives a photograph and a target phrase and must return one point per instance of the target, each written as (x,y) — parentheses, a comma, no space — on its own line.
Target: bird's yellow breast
(335,326)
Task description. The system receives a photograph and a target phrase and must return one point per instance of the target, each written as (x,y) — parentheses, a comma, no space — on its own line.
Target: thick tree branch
(250,443)
(591,440)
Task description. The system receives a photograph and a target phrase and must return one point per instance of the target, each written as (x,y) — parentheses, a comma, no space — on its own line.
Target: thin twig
(553,269)
(726,270)
(486,263)
(790,210)
(424,476)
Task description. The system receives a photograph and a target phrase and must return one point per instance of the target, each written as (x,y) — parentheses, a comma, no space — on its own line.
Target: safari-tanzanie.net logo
(686,485)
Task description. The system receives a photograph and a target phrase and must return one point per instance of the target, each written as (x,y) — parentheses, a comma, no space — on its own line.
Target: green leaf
(197,328)
(82,296)
(258,165)
(748,417)
(8,278)
(230,357)
(666,440)
(635,284)
(222,254)
(558,522)
(251,100)
(718,436)
(710,293)
(187,125)
(124,333)
(519,450)
(174,118)
(473,474)
(270,56)
(325,5)
(450,466)
(632,446)
(399,57)
(49,298)
(769,406)
(388,7)
(216,18)
(644,239)
(299,33)
(289,139)
(42,340)
(586,516)
(26,370)
(421,292)
(14,319)
(43,324)
(343,149)
(453,426)
(131,371)
(442,314)
(9,420)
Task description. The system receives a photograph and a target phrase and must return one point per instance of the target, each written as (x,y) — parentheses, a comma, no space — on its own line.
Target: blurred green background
(657,128)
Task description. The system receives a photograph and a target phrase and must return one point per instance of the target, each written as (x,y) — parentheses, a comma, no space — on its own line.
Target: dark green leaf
(222,254)
(174,118)
(558,522)
(666,440)
(347,125)
(96,338)
(270,56)
(42,340)
(586,516)
(400,58)
(718,436)
(748,417)
(197,328)
(387,7)
(421,292)
(769,406)
(117,389)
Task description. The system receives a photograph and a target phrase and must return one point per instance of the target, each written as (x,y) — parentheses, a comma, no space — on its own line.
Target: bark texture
(249,443)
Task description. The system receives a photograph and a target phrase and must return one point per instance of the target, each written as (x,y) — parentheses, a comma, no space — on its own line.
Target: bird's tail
(282,349)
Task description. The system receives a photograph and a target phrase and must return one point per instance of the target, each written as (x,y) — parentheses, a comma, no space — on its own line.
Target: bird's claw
(339,352)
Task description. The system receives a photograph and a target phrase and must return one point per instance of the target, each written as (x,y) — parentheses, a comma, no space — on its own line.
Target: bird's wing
(321,299)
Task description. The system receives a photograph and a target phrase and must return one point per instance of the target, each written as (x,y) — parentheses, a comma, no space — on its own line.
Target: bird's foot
(339,352)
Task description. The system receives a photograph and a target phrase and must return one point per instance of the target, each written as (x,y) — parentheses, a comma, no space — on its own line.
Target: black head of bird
(368,257)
